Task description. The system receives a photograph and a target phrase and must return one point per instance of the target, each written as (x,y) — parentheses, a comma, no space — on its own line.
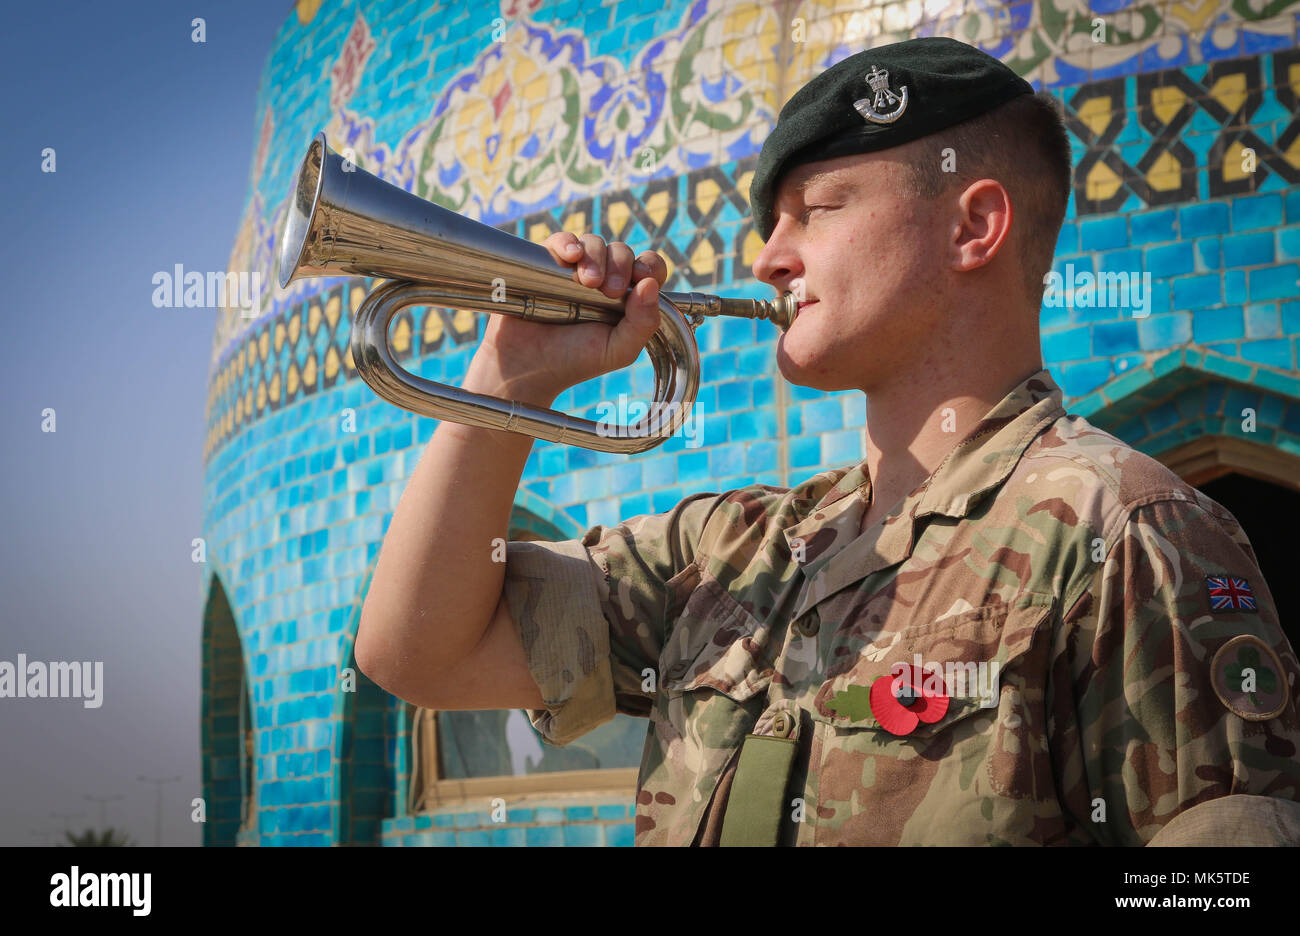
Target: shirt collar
(978,464)
(982,460)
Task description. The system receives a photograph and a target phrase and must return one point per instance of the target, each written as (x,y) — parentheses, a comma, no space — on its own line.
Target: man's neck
(913,424)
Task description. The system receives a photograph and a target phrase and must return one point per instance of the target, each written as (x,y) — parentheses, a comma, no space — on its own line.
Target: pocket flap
(716,644)
(967,652)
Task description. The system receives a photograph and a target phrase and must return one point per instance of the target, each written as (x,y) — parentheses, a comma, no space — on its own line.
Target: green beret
(872,100)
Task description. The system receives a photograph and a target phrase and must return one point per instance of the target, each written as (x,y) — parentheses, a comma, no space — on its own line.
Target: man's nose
(777,263)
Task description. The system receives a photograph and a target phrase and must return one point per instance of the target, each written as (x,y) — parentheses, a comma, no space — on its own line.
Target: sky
(153,137)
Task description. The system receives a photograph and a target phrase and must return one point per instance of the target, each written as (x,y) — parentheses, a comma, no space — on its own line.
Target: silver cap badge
(874,110)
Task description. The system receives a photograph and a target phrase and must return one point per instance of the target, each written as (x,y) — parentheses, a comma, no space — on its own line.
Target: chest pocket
(980,774)
(714,674)
(973,652)
(716,644)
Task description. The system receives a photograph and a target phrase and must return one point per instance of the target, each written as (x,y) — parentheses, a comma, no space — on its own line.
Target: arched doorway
(370,759)
(229,787)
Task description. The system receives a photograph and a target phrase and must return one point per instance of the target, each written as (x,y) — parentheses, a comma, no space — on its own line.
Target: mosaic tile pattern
(641,121)
(542,822)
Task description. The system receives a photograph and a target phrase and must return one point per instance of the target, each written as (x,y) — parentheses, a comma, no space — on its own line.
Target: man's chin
(806,370)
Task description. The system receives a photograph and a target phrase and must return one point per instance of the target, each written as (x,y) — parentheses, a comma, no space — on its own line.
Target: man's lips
(806,303)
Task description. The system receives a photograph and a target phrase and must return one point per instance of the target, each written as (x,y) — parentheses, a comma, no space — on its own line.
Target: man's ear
(983,224)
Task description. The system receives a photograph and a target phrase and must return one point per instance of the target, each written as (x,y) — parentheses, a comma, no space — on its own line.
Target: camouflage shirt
(1110,652)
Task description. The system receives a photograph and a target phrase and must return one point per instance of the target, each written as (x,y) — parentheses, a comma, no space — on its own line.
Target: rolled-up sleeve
(591,613)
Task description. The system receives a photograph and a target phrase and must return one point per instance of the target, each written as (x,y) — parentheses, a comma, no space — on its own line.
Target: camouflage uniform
(1040,544)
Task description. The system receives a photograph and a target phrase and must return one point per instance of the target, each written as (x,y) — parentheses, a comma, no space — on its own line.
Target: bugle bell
(343,221)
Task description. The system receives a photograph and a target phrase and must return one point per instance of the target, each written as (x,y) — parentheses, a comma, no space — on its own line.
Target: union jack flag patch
(1230,594)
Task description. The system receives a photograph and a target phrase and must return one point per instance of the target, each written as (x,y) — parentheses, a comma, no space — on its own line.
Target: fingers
(611,268)
(618,270)
(649,263)
(564,247)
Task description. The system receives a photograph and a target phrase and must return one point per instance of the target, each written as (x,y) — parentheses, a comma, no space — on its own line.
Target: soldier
(1003,626)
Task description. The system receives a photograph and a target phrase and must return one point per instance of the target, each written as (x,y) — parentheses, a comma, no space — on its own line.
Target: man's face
(866,257)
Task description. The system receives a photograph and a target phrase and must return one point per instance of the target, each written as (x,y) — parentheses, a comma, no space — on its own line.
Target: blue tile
(659,471)
(1234,286)
(734,395)
(1199,220)
(548,815)
(1274,353)
(634,506)
(1103,233)
(1067,241)
(1221,324)
(1163,331)
(544,836)
(1279,282)
(1113,338)
(760,457)
(1162,417)
(473,838)
(693,467)
(1209,254)
(754,424)
(1288,242)
(508,837)
(823,415)
(610,811)
(1197,292)
(1291,318)
(1054,316)
(1153,226)
(1256,211)
(620,835)
(585,835)
(1292,199)
(666,499)
(805,451)
(1263,321)
(840,448)
(726,461)
(1171,260)
(1120,261)
(1068,345)
(1242,250)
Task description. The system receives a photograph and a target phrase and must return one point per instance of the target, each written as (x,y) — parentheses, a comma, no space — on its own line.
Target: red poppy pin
(906,698)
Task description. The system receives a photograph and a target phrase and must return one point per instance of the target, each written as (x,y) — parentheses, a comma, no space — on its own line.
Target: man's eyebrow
(827,178)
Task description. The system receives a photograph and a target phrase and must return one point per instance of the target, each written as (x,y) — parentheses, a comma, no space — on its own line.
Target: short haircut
(1022,144)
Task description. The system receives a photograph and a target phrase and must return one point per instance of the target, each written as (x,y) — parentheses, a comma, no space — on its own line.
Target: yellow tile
(1166,174)
(1096,113)
(1230,91)
(1102,182)
(1167,102)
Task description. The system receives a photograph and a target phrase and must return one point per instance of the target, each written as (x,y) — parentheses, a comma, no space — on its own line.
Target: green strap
(757,800)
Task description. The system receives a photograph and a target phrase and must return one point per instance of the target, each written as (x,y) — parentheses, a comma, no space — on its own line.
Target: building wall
(642,121)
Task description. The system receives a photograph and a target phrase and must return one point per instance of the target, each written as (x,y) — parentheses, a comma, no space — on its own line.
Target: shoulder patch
(1229,593)
(1248,678)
